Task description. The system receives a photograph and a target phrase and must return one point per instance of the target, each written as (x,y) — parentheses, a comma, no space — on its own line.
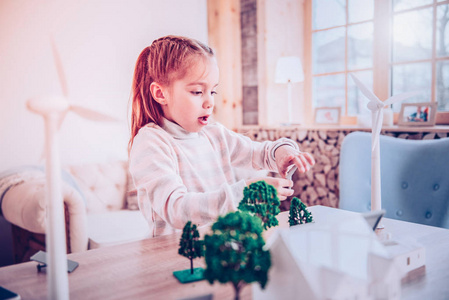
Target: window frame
(382,62)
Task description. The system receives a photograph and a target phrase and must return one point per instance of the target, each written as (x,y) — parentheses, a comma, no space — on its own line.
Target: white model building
(336,257)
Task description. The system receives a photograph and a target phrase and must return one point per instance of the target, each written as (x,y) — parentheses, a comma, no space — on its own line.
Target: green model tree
(299,213)
(261,199)
(234,251)
(192,247)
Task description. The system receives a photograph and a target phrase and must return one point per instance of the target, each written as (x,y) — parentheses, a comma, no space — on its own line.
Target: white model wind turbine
(53,109)
(376,106)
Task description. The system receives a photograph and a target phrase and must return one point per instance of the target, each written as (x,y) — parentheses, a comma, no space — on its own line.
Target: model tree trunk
(237,289)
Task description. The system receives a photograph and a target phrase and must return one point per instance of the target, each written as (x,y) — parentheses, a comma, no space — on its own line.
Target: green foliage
(234,251)
(190,245)
(261,199)
(299,213)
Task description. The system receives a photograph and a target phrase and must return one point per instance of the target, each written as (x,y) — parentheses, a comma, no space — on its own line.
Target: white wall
(99,41)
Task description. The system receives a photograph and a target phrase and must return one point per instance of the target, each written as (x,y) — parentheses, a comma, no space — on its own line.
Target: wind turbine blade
(60,120)
(91,114)
(365,91)
(59,68)
(400,97)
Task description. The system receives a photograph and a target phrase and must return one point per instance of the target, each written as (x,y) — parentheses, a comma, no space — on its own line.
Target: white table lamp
(289,70)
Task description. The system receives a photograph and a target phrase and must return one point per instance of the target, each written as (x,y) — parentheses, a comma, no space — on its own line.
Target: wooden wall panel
(225,39)
(250,80)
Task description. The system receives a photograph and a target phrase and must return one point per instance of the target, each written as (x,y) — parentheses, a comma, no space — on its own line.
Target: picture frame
(328,115)
(417,114)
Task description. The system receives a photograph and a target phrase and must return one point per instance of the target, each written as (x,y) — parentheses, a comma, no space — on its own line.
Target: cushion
(103,185)
(131,194)
(116,227)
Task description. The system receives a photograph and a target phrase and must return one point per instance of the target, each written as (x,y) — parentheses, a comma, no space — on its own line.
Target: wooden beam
(225,38)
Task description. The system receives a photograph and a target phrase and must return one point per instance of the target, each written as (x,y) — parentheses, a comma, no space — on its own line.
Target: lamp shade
(289,68)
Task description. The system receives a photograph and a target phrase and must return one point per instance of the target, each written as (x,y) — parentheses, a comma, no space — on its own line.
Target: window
(393,46)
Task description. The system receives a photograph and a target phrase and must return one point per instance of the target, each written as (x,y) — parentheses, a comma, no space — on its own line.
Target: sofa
(100,205)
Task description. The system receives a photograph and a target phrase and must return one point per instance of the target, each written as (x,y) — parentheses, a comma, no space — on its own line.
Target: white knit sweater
(182,176)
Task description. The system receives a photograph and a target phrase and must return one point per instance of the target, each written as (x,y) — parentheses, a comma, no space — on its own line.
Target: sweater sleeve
(155,170)
(246,153)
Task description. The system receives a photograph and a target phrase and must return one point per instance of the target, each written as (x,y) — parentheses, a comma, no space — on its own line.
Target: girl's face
(190,100)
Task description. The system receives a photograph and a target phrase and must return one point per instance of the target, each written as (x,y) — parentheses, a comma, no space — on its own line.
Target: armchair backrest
(414,177)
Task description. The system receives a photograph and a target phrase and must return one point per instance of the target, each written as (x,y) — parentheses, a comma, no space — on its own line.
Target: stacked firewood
(319,186)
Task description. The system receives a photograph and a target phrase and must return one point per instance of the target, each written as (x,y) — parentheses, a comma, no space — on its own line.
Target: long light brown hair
(167,59)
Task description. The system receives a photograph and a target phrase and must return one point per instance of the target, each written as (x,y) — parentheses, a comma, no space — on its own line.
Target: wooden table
(143,270)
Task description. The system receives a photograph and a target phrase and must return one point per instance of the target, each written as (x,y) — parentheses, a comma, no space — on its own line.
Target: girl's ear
(157,91)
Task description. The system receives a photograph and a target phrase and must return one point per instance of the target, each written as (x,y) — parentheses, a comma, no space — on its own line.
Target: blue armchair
(414,178)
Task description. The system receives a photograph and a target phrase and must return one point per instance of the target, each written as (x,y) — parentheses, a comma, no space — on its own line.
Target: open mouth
(204,120)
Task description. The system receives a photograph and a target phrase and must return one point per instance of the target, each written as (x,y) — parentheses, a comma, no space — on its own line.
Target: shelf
(437,128)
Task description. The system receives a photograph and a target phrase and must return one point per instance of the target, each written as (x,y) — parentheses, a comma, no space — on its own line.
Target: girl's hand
(286,156)
(283,186)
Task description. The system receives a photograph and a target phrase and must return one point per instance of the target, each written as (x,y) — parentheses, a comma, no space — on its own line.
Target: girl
(183,166)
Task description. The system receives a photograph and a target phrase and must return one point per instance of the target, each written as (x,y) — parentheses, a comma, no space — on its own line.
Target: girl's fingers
(283,187)
(286,183)
(283,193)
(286,163)
(309,158)
(300,164)
(304,163)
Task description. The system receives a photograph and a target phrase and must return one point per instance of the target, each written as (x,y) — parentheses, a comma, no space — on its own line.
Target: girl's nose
(209,102)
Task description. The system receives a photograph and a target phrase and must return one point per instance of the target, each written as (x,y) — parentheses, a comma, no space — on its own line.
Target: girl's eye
(196,93)
(213,93)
